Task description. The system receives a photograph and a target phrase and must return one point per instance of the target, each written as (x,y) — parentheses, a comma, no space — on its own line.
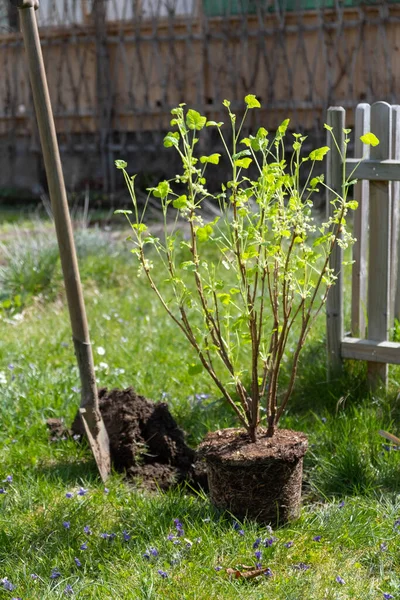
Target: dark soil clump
(145,441)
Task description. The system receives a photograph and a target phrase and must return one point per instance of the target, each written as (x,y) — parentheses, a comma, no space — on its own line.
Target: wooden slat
(373,170)
(334,304)
(371,351)
(395,240)
(360,248)
(379,242)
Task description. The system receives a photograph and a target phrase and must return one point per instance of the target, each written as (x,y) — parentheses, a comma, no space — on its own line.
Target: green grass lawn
(63,533)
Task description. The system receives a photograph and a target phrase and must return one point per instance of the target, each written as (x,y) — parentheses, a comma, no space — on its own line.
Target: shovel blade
(99,444)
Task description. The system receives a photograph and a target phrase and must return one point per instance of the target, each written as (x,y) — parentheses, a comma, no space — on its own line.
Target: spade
(89,408)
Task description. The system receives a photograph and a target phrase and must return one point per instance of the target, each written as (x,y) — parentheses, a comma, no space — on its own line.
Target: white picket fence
(375,286)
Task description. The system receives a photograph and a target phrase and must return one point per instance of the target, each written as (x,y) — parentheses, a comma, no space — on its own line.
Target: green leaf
(188,265)
(319,153)
(246,142)
(283,126)
(240,154)
(140,227)
(213,159)
(226,103)
(252,101)
(224,298)
(171,139)
(162,190)
(244,163)
(328,127)
(214,124)
(369,139)
(195,368)
(322,239)
(203,233)
(261,133)
(316,180)
(120,211)
(180,202)
(121,164)
(194,120)
(352,204)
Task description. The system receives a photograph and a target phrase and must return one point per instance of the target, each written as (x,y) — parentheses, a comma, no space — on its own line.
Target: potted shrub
(245,290)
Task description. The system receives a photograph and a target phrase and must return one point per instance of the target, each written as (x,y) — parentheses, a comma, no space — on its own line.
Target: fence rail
(375,281)
(117,67)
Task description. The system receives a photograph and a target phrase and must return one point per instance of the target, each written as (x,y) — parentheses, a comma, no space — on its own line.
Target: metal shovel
(89,409)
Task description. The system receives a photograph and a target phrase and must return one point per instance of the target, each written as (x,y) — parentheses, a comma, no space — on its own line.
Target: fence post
(360,248)
(395,241)
(334,304)
(379,242)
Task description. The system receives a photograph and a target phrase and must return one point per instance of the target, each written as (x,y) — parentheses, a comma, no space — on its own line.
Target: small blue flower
(218,568)
(34,576)
(241,532)
(77,562)
(317,538)
(55,573)
(341,504)
(179,528)
(8,479)
(269,541)
(69,495)
(170,537)
(83,546)
(153,551)
(163,574)
(7,585)
(178,524)
(383,547)
(104,536)
(87,530)
(126,535)
(257,543)
(106,490)
(387,596)
(258,554)
(268,572)
(236,526)
(2,491)
(323,419)
(68,589)
(82,491)
(340,580)
(66,524)
(288,544)
(301,567)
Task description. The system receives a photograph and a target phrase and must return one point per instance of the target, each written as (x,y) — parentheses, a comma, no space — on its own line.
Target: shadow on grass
(73,472)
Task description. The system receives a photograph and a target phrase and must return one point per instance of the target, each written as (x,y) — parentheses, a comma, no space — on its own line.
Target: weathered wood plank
(379,242)
(373,170)
(360,248)
(395,240)
(334,304)
(371,351)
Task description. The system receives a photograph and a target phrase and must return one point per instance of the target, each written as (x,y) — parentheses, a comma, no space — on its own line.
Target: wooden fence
(375,289)
(117,67)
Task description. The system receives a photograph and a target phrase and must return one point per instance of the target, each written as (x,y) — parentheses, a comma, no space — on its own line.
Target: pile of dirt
(146,442)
